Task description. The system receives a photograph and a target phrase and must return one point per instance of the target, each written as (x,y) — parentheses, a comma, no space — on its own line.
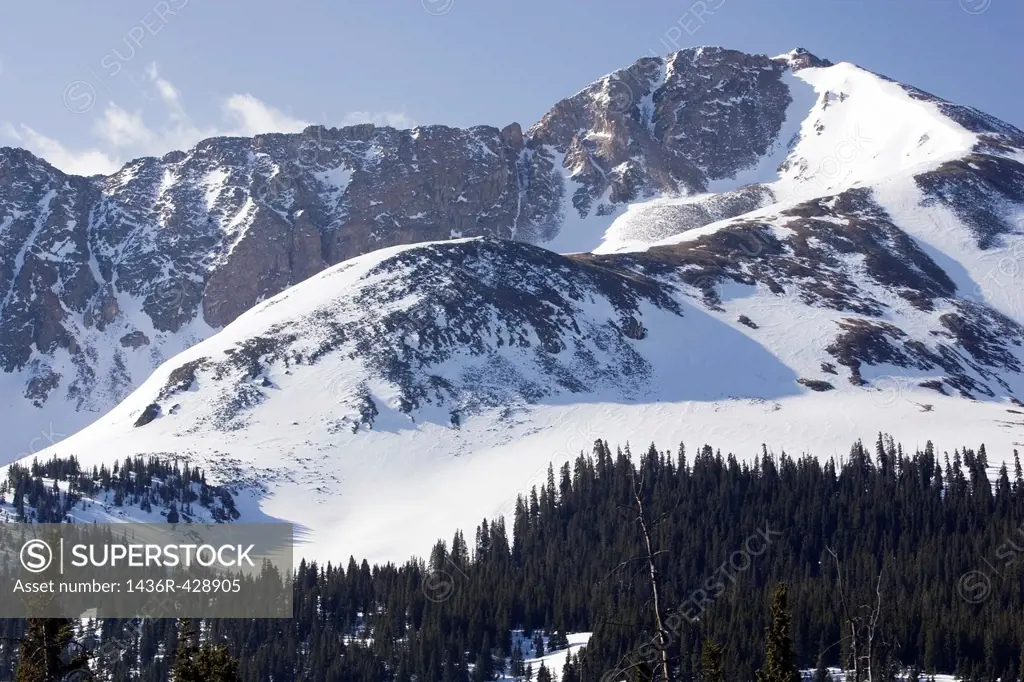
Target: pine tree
(484,668)
(569,669)
(711,662)
(184,668)
(821,671)
(215,664)
(516,664)
(43,655)
(779,656)
(1018,473)
(543,674)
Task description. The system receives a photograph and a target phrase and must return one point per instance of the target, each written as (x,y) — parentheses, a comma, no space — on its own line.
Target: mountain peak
(801,58)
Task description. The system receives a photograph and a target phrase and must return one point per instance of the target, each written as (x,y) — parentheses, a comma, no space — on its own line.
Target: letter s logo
(36,556)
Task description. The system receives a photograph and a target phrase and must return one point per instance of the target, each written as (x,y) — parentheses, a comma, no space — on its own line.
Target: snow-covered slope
(419,388)
(845,127)
(868,283)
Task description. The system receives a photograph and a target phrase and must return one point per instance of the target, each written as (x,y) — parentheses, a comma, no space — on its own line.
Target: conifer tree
(569,669)
(184,669)
(711,661)
(484,668)
(516,664)
(208,663)
(215,664)
(43,655)
(779,656)
(821,672)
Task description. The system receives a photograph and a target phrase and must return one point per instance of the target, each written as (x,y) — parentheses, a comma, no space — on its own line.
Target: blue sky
(90,85)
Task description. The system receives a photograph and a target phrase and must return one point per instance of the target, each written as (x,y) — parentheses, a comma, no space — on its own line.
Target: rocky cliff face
(661,127)
(667,125)
(99,275)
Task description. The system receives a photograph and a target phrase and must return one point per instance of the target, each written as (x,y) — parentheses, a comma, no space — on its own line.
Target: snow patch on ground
(336,181)
(579,233)
(552,660)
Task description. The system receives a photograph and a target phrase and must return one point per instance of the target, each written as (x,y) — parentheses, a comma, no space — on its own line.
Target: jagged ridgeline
(928,540)
(60,490)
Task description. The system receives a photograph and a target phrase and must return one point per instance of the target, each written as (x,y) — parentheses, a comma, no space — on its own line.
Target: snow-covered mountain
(103,278)
(785,251)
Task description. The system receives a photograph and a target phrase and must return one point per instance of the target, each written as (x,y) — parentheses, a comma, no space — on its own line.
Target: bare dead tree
(848,618)
(863,623)
(640,662)
(659,619)
(872,625)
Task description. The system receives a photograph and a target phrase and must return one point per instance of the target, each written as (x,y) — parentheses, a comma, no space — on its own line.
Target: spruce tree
(569,669)
(43,655)
(711,662)
(516,664)
(184,668)
(821,672)
(779,655)
(206,663)
(216,664)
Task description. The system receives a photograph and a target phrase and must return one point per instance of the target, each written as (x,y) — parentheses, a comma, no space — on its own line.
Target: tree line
(150,484)
(894,563)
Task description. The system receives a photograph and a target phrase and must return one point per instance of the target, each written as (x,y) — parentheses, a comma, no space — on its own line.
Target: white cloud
(252,117)
(167,91)
(395,119)
(122,134)
(123,129)
(85,162)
